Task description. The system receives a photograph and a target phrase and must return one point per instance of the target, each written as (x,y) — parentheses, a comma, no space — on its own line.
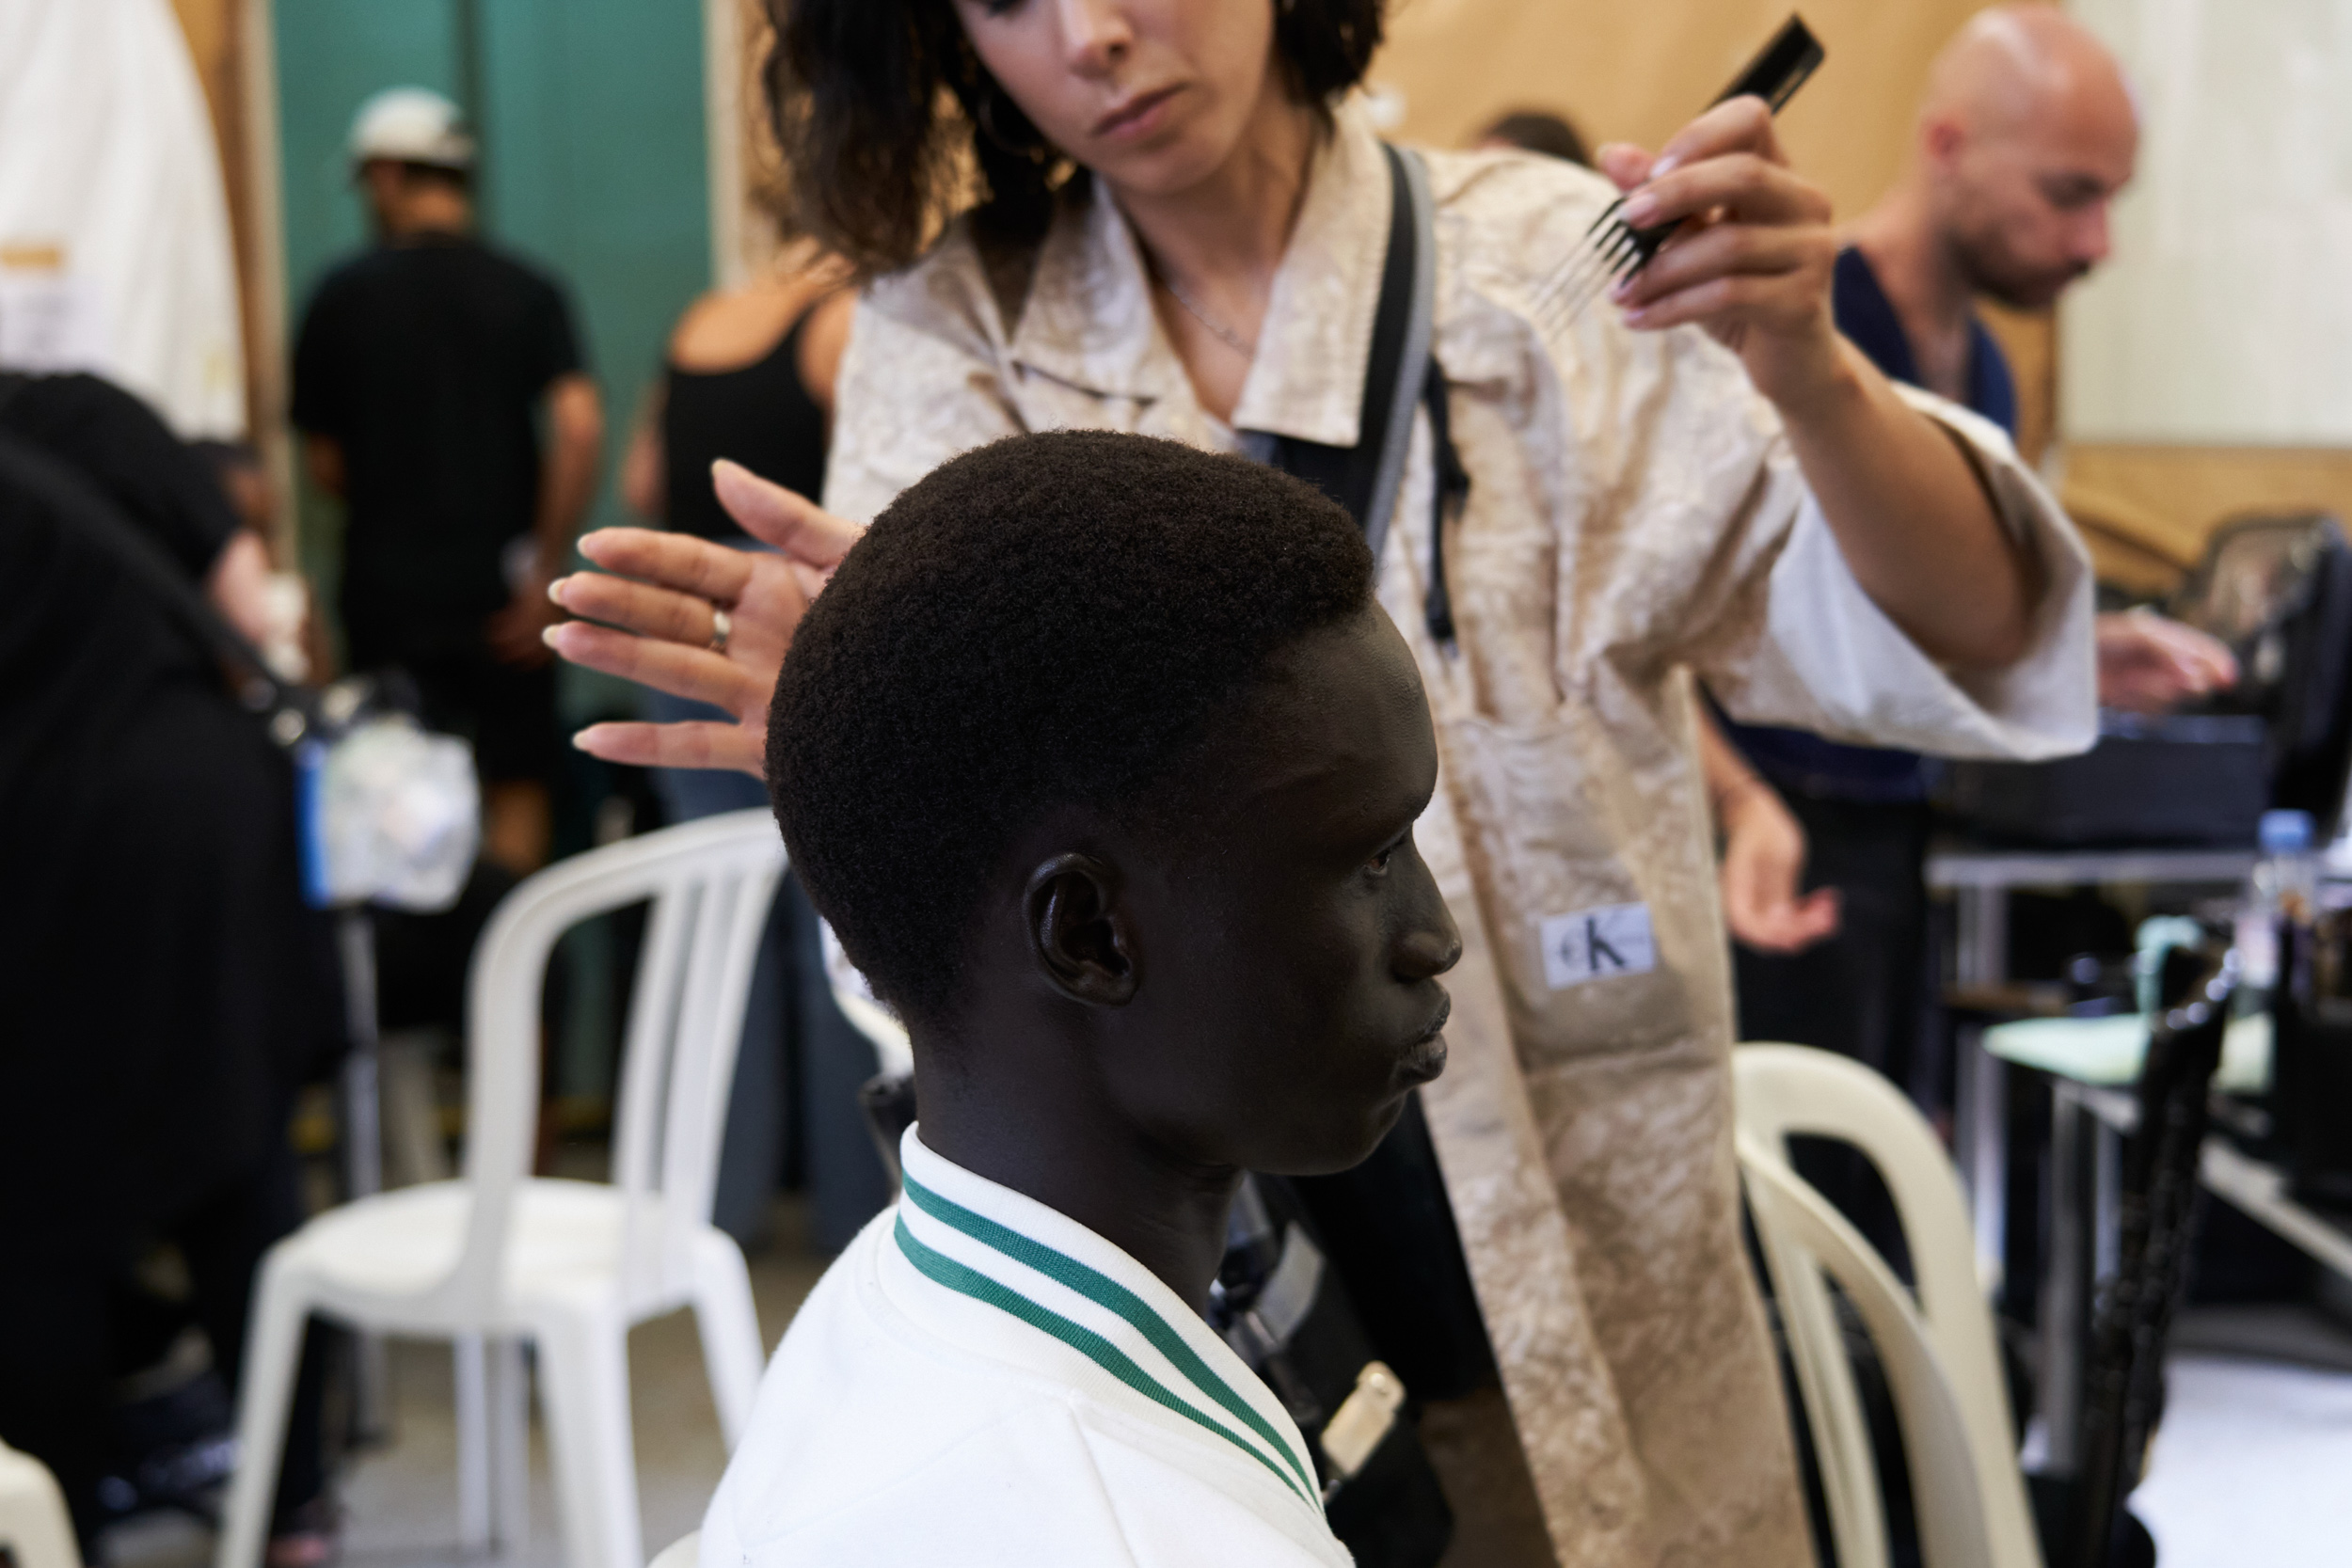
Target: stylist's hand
(1763,870)
(659,625)
(1754,253)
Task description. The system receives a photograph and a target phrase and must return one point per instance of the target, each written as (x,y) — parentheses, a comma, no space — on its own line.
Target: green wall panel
(591,121)
(331,56)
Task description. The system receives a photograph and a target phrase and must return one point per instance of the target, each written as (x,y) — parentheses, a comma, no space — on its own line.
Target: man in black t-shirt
(426,371)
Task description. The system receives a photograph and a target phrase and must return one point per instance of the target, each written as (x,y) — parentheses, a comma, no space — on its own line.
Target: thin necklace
(1246,347)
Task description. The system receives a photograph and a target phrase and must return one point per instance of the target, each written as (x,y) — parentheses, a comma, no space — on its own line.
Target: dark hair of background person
(855,95)
(1540,131)
(1051,620)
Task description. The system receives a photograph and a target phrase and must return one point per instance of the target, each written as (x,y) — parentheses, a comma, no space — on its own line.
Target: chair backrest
(710,884)
(893,1053)
(35,1529)
(1939,1348)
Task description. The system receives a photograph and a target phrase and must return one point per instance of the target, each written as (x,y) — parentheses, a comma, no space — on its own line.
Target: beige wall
(213,32)
(2147,509)
(1635,71)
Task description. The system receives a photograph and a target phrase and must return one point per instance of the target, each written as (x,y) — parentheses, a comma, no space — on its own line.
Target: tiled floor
(2253,1465)
(400,1497)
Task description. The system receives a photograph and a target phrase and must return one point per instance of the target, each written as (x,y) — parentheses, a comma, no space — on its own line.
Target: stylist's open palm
(1755,252)
(657,599)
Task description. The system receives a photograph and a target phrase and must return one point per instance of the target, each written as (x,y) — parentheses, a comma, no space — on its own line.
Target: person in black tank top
(749,377)
(761,415)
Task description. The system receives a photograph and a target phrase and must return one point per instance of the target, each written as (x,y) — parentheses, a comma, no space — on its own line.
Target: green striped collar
(978,1240)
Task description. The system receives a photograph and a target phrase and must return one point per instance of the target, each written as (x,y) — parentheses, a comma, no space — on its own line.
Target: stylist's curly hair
(1064,619)
(877,102)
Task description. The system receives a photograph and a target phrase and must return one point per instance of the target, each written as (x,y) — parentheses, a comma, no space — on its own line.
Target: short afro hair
(1048,621)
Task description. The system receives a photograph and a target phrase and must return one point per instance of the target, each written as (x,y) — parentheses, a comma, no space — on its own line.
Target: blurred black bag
(2277,590)
(2182,779)
(2311,1096)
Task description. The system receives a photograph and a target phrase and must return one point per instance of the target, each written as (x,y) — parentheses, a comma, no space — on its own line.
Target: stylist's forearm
(1911,515)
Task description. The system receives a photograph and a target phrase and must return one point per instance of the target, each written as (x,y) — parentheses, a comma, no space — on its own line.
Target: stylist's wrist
(1808,374)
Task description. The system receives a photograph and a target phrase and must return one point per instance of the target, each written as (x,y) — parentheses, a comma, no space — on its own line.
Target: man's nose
(1433,945)
(2093,238)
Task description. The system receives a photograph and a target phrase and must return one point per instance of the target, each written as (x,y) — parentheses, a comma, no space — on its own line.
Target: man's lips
(1425,1057)
(1132,111)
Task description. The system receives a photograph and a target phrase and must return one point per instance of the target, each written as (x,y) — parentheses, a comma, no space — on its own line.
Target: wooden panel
(1636,72)
(2148,510)
(212,33)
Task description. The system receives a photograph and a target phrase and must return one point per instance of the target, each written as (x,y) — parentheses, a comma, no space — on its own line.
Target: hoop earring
(984,115)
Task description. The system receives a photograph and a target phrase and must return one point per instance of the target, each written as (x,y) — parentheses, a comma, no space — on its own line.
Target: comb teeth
(1611,249)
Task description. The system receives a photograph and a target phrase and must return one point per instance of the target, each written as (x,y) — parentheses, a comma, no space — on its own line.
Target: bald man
(2027,134)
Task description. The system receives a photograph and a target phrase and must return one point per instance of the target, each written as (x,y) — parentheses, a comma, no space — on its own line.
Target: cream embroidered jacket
(1635,516)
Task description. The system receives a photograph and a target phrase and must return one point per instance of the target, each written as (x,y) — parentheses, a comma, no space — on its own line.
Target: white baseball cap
(411,125)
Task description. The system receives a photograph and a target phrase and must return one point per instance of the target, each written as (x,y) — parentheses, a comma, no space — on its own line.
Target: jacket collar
(1089,320)
(1022,1283)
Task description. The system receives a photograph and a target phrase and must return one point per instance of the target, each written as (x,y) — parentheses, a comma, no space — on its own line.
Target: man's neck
(427,215)
(1045,1141)
(1924,283)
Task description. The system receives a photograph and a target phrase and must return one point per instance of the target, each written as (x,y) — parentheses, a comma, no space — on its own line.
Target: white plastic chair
(569,1265)
(1939,1347)
(35,1529)
(893,1051)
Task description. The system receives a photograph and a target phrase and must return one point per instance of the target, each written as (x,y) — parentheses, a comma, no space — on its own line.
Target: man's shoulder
(875,1440)
(345,278)
(385,265)
(1044,1478)
(870,1432)
(522,272)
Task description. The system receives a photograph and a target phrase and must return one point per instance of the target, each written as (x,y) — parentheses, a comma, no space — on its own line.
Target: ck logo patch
(1595,944)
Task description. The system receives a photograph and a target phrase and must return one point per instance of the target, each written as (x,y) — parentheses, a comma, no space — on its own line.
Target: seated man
(1103,762)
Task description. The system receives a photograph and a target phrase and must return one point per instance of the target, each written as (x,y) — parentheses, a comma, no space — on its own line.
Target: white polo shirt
(979,1380)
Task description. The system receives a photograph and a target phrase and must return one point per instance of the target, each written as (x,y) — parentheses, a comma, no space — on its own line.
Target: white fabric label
(1595,944)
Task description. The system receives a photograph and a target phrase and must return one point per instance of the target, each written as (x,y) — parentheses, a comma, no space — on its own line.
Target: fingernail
(546,634)
(579,741)
(555,590)
(1639,210)
(1636,314)
(1664,166)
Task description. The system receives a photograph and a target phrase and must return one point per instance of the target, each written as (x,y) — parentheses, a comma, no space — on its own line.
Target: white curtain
(116,253)
(2225,315)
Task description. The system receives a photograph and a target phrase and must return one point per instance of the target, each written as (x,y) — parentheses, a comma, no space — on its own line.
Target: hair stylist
(1182,235)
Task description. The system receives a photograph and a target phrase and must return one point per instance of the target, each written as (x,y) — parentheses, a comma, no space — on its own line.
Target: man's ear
(1941,138)
(1079,933)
